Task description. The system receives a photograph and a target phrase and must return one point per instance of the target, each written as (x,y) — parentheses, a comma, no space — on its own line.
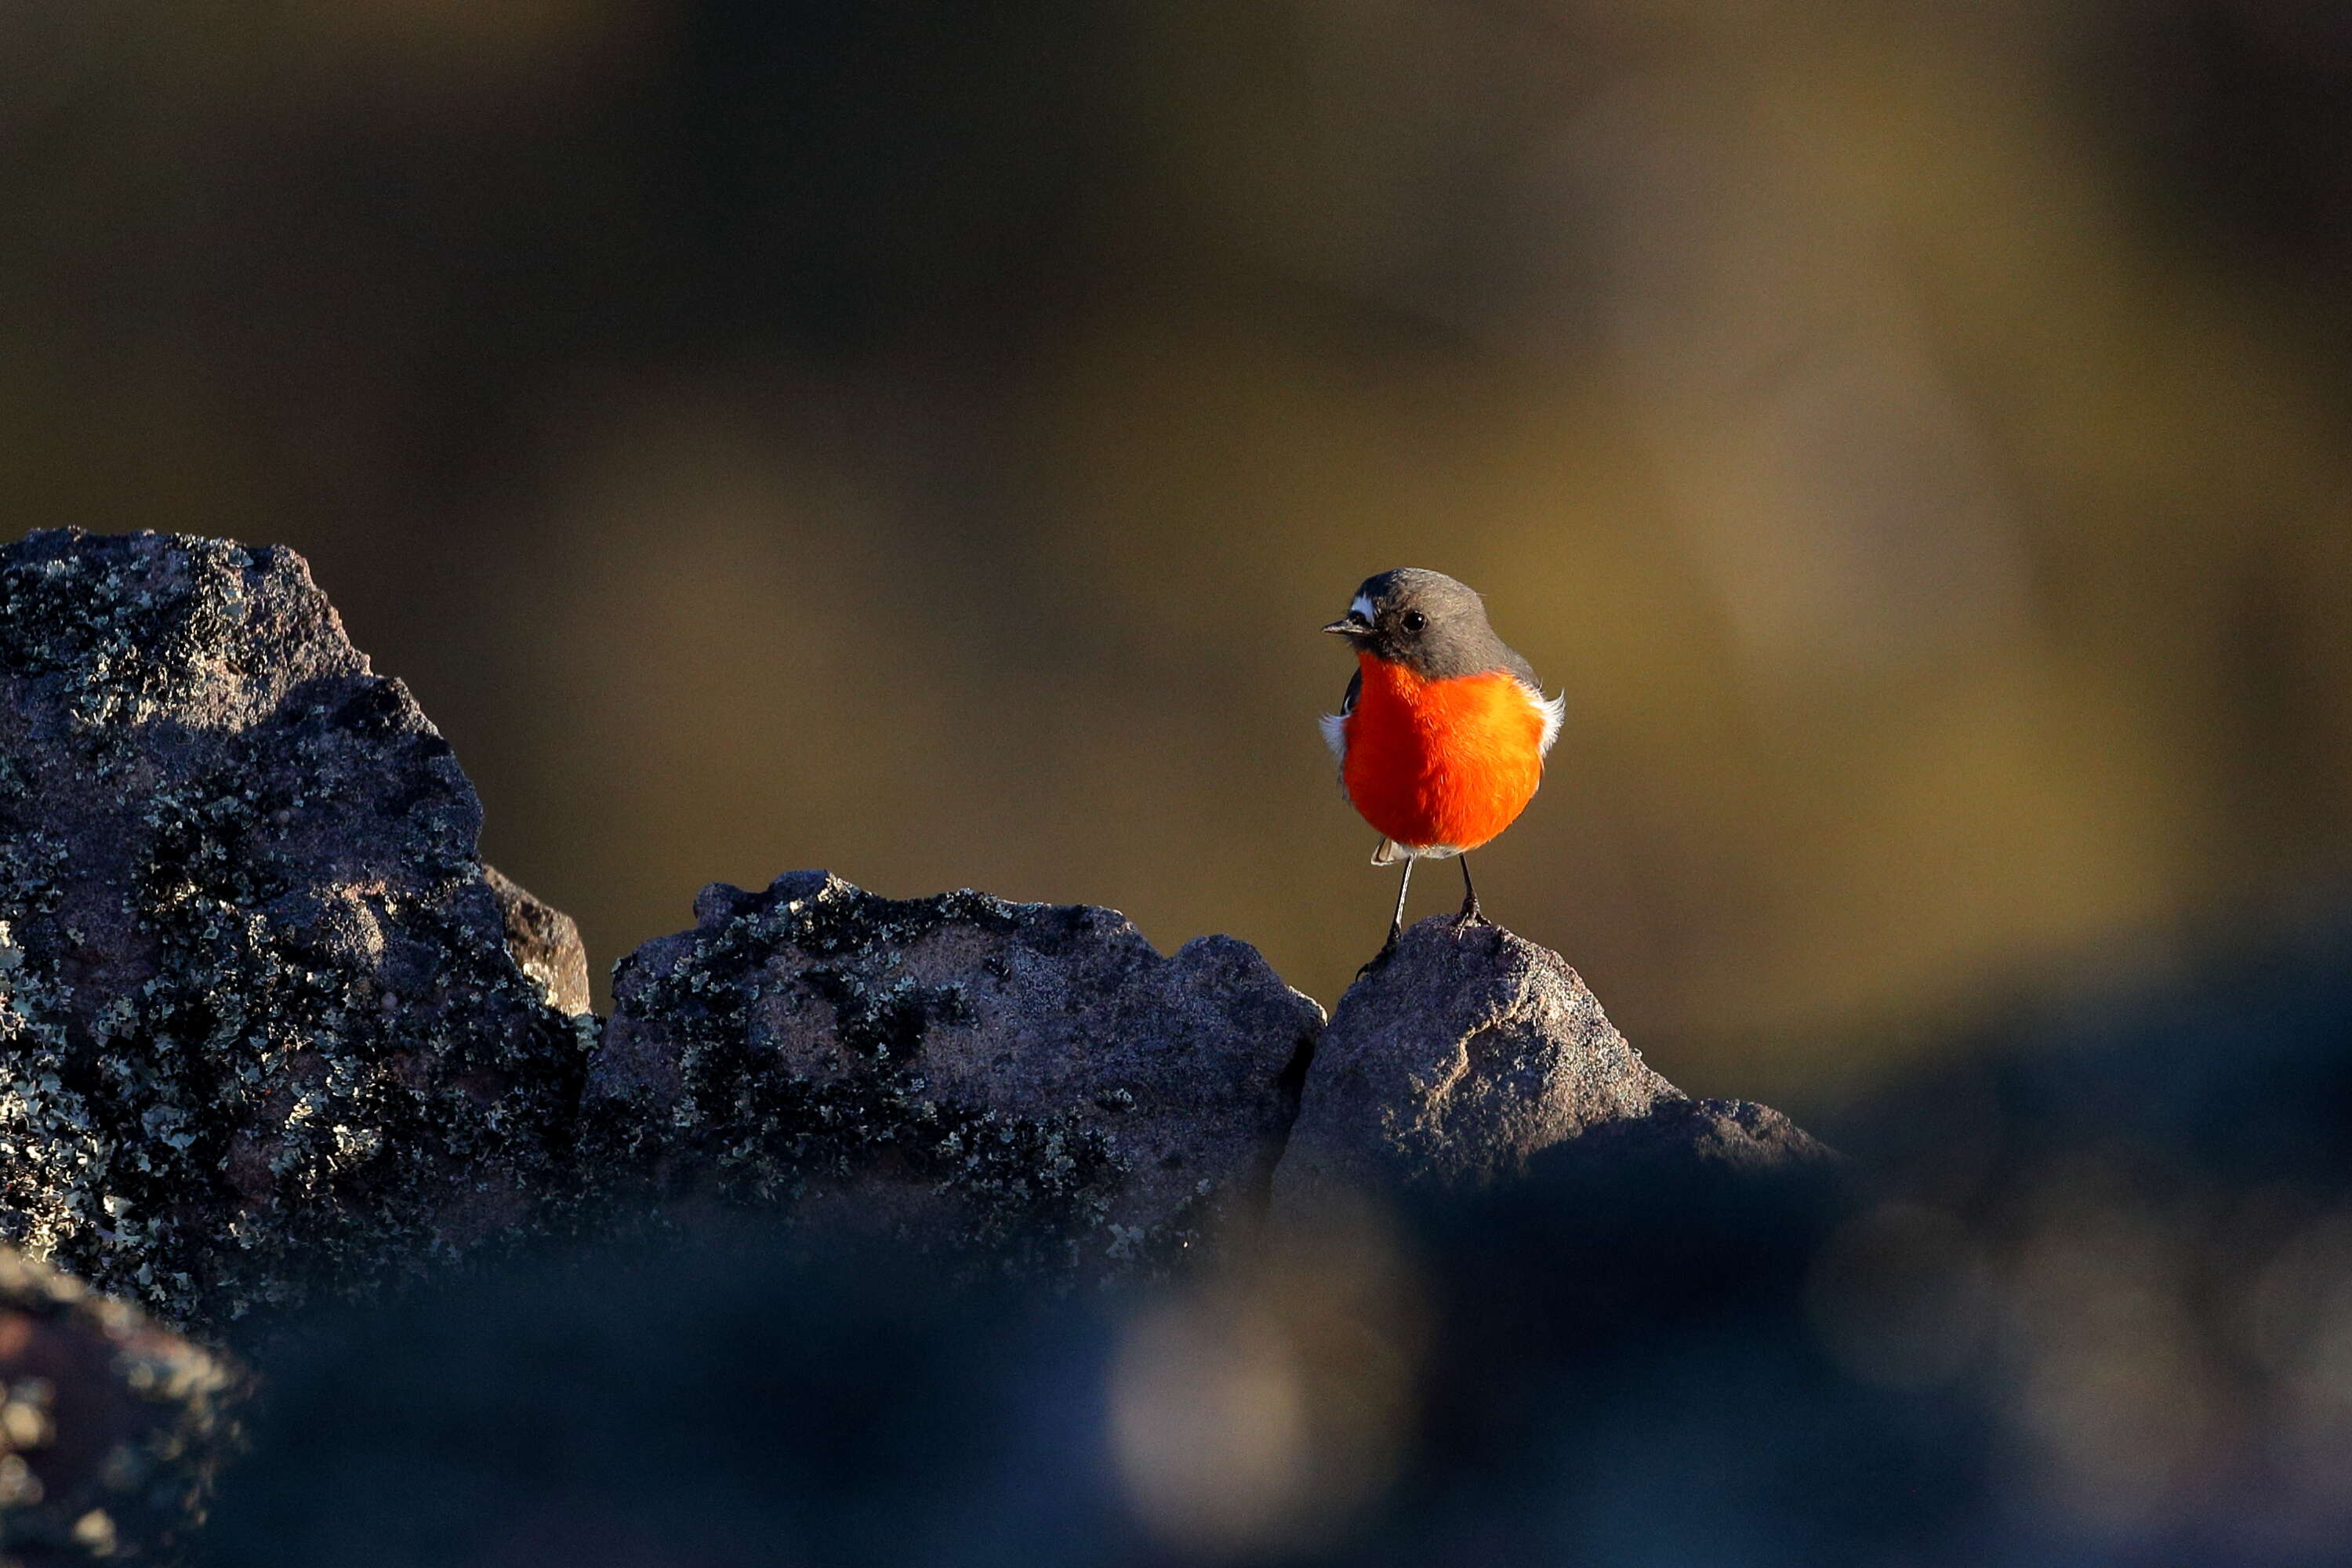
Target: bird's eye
(1414,620)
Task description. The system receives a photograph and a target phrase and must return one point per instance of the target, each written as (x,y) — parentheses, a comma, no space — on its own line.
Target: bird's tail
(1389,853)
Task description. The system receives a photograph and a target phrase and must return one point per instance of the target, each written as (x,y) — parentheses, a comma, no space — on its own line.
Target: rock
(960,1069)
(1738,1134)
(544,942)
(260,1030)
(1469,1053)
(267,1025)
(112,1427)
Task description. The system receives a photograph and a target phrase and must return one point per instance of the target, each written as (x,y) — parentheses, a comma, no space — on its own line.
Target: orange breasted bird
(1441,736)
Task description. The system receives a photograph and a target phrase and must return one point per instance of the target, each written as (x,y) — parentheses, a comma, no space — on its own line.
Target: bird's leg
(1396,920)
(1396,925)
(1471,914)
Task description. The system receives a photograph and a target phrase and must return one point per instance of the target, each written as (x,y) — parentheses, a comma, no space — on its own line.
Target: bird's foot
(1471,915)
(1380,960)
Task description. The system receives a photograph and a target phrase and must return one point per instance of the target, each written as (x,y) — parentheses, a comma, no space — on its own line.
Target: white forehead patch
(1362,606)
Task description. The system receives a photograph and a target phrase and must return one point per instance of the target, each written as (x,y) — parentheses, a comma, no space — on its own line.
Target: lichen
(122,653)
(262,1033)
(259,1033)
(1030,1193)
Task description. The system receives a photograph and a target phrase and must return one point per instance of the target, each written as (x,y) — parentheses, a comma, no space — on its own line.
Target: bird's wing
(1555,711)
(1553,708)
(1335,725)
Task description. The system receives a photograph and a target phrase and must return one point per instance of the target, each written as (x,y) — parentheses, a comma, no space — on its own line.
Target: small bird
(1441,736)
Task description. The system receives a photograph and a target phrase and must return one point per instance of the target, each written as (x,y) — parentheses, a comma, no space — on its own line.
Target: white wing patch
(1335,734)
(1554,709)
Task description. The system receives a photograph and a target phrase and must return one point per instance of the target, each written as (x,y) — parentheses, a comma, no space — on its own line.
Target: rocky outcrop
(958,1068)
(270,1030)
(268,1025)
(260,1029)
(112,1427)
(1469,1052)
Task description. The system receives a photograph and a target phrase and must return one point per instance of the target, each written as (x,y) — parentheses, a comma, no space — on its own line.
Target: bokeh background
(921,441)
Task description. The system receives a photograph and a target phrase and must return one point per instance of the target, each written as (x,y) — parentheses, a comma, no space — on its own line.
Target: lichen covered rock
(1473,1050)
(1031,1079)
(260,1027)
(113,1428)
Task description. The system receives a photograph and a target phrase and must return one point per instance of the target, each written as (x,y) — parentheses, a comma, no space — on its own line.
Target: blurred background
(921,441)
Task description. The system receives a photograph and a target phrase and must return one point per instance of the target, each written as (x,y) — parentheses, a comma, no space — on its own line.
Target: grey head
(1429,623)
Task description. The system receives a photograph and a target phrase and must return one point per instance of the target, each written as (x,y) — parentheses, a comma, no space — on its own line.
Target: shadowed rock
(957,1068)
(112,1427)
(259,1026)
(1472,1051)
(1738,1134)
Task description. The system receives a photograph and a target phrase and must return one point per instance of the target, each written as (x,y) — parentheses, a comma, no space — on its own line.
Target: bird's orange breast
(1446,762)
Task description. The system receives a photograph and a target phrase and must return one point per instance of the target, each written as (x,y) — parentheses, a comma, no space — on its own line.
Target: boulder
(960,1069)
(1471,1051)
(112,1428)
(260,1027)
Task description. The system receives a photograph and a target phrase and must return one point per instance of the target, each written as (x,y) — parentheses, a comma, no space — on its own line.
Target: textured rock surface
(1738,1133)
(956,1067)
(259,1026)
(545,941)
(112,1427)
(1469,1053)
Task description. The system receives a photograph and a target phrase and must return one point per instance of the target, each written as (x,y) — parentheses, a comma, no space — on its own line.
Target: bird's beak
(1352,626)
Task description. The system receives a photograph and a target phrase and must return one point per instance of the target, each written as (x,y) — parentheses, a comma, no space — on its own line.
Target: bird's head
(1424,620)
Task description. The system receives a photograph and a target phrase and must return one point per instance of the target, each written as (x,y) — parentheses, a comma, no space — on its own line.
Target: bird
(1441,736)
